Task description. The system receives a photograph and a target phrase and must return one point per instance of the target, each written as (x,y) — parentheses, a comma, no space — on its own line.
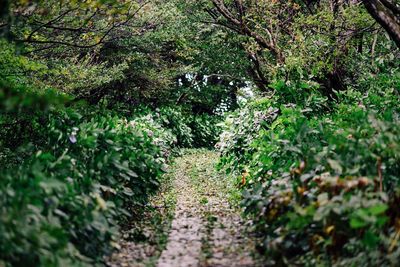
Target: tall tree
(294,40)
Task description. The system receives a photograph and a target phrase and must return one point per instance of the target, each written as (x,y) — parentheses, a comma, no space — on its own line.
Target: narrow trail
(206,230)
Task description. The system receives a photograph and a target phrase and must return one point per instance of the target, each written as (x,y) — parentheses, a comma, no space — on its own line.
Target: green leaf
(378,209)
(370,239)
(357,223)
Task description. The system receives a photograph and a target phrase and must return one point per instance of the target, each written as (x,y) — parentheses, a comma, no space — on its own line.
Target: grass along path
(144,239)
(206,230)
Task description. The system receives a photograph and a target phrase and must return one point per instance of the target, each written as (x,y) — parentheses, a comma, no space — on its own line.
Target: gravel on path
(207,230)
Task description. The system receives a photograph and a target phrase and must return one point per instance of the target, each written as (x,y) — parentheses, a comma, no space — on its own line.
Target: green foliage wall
(73,174)
(83,173)
(311,180)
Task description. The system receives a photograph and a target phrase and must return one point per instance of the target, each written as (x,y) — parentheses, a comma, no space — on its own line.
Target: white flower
(72,138)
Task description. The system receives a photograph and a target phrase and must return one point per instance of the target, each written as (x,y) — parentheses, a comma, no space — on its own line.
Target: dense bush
(205,130)
(186,128)
(178,122)
(312,181)
(71,176)
(83,172)
(191,130)
(22,113)
(163,137)
(240,129)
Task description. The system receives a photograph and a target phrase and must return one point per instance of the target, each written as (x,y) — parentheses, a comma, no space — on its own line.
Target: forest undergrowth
(298,102)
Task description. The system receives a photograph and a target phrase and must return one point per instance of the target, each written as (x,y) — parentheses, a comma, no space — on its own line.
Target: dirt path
(185,238)
(206,230)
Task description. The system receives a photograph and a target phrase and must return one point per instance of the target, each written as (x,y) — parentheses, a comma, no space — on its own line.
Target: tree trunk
(384,12)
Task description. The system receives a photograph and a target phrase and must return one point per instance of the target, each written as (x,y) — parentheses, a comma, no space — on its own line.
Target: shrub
(205,130)
(185,129)
(178,123)
(239,131)
(84,174)
(312,181)
(163,137)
